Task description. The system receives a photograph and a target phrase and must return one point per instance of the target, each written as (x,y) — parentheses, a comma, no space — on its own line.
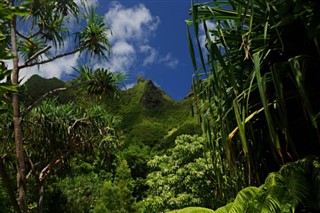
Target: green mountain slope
(36,86)
(152,117)
(150,121)
(147,113)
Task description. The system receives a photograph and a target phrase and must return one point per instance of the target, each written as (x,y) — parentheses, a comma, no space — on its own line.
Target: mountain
(152,117)
(36,86)
(150,121)
(148,115)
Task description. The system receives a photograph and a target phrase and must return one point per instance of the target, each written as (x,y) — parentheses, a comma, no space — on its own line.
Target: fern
(244,199)
(296,184)
(224,209)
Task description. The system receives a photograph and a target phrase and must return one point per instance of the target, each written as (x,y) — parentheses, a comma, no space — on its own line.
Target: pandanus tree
(43,42)
(6,14)
(55,133)
(256,92)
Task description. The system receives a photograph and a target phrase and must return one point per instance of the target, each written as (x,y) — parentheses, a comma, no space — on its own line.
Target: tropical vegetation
(246,139)
(254,84)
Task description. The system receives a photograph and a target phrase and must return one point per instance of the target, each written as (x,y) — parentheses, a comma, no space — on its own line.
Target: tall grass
(254,83)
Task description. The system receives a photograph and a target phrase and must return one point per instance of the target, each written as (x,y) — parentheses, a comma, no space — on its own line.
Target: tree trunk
(21,177)
(40,201)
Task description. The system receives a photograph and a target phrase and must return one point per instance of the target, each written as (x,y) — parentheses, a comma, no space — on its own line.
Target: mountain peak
(153,97)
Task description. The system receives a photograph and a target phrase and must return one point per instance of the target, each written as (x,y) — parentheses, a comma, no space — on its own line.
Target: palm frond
(100,81)
(93,39)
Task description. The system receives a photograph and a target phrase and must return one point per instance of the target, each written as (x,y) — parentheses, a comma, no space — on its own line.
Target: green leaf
(261,81)
(241,126)
(191,49)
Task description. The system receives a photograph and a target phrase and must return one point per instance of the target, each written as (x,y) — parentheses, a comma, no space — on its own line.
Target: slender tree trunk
(21,177)
(40,201)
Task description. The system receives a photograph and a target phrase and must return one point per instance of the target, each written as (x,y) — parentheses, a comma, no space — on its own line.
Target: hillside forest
(245,139)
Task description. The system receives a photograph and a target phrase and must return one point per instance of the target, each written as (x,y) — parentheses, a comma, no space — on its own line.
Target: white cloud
(145,48)
(122,48)
(122,58)
(130,23)
(121,63)
(52,69)
(169,61)
(152,54)
(132,29)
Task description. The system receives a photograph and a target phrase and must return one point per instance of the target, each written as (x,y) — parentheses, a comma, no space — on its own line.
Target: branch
(37,33)
(22,36)
(74,123)
(50,59)
(57,90)
(37,54)
(46,170)
(32,169)
(30,37)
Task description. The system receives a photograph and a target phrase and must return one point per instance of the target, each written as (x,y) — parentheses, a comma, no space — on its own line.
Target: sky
(149,39)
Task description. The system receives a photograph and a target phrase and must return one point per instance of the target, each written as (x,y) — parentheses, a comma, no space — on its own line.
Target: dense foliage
(181,177)
(87,146)
(294,188)
(256,92)
(42,43)
(116,194)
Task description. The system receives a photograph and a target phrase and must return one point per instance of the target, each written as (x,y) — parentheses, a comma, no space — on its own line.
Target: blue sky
(148,38)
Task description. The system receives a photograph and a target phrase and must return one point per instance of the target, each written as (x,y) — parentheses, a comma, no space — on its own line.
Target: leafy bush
(189,127)
(181,178)
(80,192)
(116,195)
(137,155)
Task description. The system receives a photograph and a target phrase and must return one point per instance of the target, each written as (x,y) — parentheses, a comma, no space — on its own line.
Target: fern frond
(298,189)
(243,200)
(274,190)
(224,209)
(296,184)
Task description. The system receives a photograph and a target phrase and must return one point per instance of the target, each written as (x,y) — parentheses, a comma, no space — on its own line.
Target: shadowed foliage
(255,83)
(295,188)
